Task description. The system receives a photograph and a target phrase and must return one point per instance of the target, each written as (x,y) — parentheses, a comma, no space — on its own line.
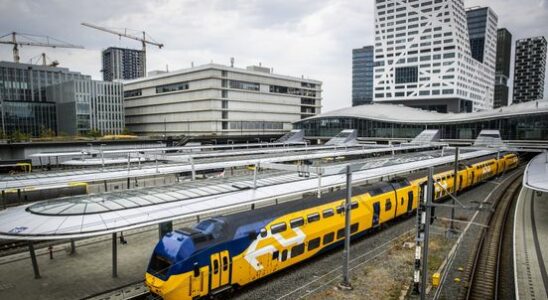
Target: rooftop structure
(423,56)
(218,100)
(398,121)
(529,69)
(362,75)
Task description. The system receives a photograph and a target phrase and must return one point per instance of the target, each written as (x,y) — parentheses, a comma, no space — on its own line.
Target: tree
(47,132)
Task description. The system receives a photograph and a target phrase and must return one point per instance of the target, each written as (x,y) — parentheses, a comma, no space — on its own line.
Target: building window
(406,74)
(172,87)
(224,115)
(133,93)
(242,85)
(224,94)
(224,104)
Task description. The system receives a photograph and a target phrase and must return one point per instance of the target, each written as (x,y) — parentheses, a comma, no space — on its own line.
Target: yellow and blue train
(227,252)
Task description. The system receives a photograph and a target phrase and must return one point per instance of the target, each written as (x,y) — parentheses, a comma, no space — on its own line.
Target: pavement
(531,245)
(80,275)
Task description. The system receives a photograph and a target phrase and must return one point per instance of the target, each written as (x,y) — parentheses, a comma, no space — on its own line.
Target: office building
(423,56)
(123,64)
(86,105)
(524,121)
(502,69)
(529,69)
(24,105)
(362,75)
(37,99)
(219,100)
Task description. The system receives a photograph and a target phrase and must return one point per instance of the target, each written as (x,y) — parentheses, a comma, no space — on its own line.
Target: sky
(310,38)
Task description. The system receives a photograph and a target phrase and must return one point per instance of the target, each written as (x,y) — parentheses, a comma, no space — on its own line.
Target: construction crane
(31,41)
(143,39)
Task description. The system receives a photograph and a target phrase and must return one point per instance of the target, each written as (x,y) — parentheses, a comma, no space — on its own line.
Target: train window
(340,233)
(196,270)
(328,213)
(388,205)
(340,209)
(298,222)
(277,228)
(297,250)
(313,244)
(284,255)
(354,205)
(313,217)
(402,200)
(275,255)
(159,265)
(225,263)
(263,232)
(215,266)
(328,238)
(354,227)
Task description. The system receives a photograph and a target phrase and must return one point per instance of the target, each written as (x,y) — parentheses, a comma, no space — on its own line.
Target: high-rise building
(36,99)
(529,68)
(423,56)
(215,99)
(502,69)
(122,63)
(362,75)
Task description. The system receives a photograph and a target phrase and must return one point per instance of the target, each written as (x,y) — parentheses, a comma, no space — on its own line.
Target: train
(223,253)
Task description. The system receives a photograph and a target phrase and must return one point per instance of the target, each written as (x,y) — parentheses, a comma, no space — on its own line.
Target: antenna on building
(232,62)
(167,69)
(260,64)
(192,64)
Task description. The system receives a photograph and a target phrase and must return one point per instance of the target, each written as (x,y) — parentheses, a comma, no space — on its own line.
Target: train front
(169,271)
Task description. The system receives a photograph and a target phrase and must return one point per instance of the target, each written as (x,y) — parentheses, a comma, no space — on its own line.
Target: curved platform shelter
(531,232)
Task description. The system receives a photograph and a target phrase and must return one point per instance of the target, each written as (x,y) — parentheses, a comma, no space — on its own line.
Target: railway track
(486,269)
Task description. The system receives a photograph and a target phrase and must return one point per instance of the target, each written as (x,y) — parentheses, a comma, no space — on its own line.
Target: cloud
(313,38)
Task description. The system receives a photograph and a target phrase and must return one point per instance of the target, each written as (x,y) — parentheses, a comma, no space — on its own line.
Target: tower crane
(125,33)
(30,40)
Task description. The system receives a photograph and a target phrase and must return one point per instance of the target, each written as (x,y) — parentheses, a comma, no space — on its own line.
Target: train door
(219,269)
(376,213)
(409,201)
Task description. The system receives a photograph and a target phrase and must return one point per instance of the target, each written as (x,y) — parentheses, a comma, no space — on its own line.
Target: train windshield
(158,266)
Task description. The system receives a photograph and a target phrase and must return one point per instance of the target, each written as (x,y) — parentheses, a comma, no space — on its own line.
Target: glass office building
(362,75)
(526,121)
(24,103)
(36,99)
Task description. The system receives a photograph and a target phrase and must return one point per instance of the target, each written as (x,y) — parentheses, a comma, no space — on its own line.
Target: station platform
(531,245)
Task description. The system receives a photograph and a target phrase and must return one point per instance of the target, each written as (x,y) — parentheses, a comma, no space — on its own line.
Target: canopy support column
(34,262)
(114,256)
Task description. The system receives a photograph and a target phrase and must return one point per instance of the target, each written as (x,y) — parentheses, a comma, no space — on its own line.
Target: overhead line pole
(345,284)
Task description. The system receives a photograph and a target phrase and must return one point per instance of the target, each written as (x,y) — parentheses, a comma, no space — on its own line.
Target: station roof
(113,212)
(399,113)
(536,174)
(32,181)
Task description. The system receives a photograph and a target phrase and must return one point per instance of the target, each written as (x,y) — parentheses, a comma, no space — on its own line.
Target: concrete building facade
(362,75)
(214,99)
(123,63)
(529,69)
(423,56)
(502,69)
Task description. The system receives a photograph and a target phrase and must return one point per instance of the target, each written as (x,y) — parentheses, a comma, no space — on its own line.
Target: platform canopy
(92,215)
(536,173)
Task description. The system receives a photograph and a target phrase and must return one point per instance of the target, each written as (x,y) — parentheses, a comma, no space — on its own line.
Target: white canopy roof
(536,173)
(124,210)
(404,114)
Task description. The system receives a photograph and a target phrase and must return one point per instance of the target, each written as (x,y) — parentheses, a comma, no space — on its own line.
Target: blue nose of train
(169,254)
